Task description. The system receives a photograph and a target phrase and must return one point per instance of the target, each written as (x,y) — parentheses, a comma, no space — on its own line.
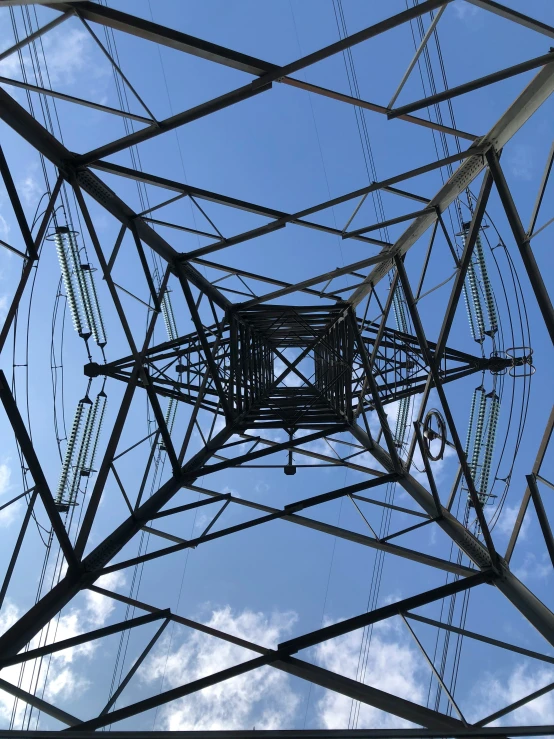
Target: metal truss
(226,368)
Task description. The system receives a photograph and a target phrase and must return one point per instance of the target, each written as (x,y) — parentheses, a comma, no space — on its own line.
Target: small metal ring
(429,434)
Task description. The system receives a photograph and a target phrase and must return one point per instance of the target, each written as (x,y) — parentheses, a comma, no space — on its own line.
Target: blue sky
(286,149)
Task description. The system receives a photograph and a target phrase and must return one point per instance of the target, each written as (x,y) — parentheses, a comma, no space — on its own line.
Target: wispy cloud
(463,10)
(263,698)
(30,190)
(392,665)
(65,680)
(10,513)
(533,568)
(68,51)
(4,227)
(507,520)
(495,691)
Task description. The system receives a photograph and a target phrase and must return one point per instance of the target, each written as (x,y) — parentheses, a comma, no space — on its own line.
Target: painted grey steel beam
(434,670)
(463,265)
(388,222)
(41,705)
(37,34)
(367,694)
(71,99)
(75,641)
(18,543)
(214,370)
(540,194)
(513,589)
(356,38)
(176,121)
(533,96)
(17,207)
(495,732)
(28,128)
(514,15)
(340,533)
(513,706)
(477,84)
(261,84)
(416,56)
(221,199)
(138,662)
(359,103)
(170,695)
(541,515)
(522,241)
(170,37)
(480,637)
(18,635)
(341,628)
(28,451)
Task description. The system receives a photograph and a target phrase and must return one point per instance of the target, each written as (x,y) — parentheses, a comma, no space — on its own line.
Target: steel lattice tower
(303,358)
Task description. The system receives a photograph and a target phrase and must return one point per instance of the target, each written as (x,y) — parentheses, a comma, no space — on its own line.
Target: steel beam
(541,515)
(41,705)
(135,666)
(532,97)
(513,589)
(366,105)
(340,533)
(514,15)
(26,126)
(28,451)
(75,641)
(522,241)
(545,441)
(462,732)
(489,79)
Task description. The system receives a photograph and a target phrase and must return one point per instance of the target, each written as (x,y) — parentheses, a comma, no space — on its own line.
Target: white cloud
(10,513)
(463,10)
(507,520)
(262,698)
(30,190)
(5,476)
(534,568)
(4,227)
(495,691)
(99,608)
(64,679)
(67,52)
(392,665)
(8,615)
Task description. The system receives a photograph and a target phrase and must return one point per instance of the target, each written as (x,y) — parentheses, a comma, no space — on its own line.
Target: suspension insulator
(93,306)
(469,436)
(402,421)
(63,240)
(467,302)
(98,412)
(478,435)
(492,424)
(169,418)
(399,311)
(489,295)
(169,317)
(62,499)
(473,298)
